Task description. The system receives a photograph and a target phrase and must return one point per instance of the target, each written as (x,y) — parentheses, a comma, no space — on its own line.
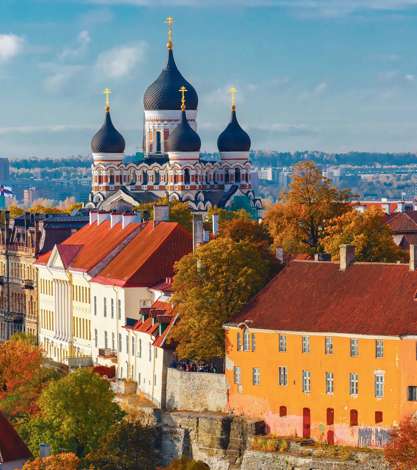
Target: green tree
(298,222)
(75,412)
(127,446)
(367,232)
(210,286)
(187,464)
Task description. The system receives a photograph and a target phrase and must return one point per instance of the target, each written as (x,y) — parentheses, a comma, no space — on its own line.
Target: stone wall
(189,391)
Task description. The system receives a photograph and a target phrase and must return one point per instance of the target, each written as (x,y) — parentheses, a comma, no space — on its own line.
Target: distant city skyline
(331,75)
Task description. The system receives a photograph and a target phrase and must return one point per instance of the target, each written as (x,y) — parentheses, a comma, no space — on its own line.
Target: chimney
(129,218)
(413,258)
(197,230)
(347,256)
(102,216)
(93,217)
(115,218)
(44,450)
(160,214)
(215,224)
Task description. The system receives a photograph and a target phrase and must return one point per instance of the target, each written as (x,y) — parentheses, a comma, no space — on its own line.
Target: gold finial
(107,93)
(169,21)
(183,91)
(233,91)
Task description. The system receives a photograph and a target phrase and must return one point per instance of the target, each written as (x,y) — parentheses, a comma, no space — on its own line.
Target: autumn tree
(401,450)
(62,461)
(75,412)
(210,286)
(367,232)
(21,376)
(186,464)
(298,222)
(127,446)
(178,211)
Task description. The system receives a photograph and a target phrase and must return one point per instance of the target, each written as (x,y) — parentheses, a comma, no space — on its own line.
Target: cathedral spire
(183,91)
(233,91)
(169,21)
(107,93)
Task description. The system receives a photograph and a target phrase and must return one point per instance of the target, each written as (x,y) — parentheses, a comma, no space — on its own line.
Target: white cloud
(120,61)
(81,44)
(10,46)
(96,17)
(61,77)
(396,77)
(316,92)
(41,129)
(283,129)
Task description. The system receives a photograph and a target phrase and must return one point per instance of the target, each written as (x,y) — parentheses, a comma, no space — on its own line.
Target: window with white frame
(329,382)
(282,375)
(119,309)
(105,306)
(95,305)
(282,343)
(305,344)
(236,375)
(354,347)
(150,351)
(96,337)
(127,344)
(139,347)
(328,345)
(253,342)
(112,307)
(112,342)
(256,376)
(106,345)
(133,345)
(120,342)
(306,381)
(379,348)
(246,340)
(238,341)
(354,383)
(379,385)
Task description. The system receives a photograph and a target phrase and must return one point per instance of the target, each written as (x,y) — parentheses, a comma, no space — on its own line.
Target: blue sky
(332,75)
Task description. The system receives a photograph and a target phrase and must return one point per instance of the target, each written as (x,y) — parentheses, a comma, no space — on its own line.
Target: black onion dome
(184,138)
(233,138)
(108,139)
(163,93)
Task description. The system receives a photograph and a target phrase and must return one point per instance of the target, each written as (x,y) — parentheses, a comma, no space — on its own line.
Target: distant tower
(162,106)
(107,147)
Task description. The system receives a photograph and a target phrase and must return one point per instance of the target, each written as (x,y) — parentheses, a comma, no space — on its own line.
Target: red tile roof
(403,222)
(68,252)
(149,257)
(367,298)
(12,447)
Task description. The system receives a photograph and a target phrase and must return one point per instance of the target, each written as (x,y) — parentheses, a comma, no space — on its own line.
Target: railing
(107,352)
(18,248)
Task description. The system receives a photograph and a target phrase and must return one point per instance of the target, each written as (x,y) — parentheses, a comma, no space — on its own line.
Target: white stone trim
(108,157)
(234,155)
(167,115)
(183,156)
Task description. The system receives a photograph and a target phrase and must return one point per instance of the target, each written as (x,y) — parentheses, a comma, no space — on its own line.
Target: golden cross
(233,91)
(107,93)
(183,91)
(169,21)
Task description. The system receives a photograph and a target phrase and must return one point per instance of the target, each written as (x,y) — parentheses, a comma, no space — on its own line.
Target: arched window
(187,177)
(214,177)
(158,142)
(132,177)
(111,178)
(157,178)
(237,175)
(226,176)
(144,177)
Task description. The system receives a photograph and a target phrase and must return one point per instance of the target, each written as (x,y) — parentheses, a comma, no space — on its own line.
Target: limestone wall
(195,391)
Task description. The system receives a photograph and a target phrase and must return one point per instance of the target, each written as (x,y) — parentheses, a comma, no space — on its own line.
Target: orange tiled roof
(12,447)
(367,298)
(149,257)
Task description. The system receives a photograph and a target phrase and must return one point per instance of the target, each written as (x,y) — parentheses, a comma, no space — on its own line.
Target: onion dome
(184,138)
(233,138)
(108,139)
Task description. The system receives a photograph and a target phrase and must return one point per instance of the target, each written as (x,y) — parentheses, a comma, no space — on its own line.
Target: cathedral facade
(172,166)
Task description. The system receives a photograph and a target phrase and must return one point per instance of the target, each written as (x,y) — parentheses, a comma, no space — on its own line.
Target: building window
(306,381)
(133,345)
(282,376)
(112,342)
(354,347)
(119,309)
(238,342)
(120,342)
(105,307)
(106,345)
(187,177)
(256,376)
(127,344)
(329,382)
(246,340)
(282,411)
(305,344)
(139,347)
(282,343)
(150,352)
(253,342)
(330,416)
(95,305)
(379,348)
(379,417)
(328,345)
(353,383)
(112,307)
(379,385)
(412,393)
(236,375)
(353,417)
(96,338)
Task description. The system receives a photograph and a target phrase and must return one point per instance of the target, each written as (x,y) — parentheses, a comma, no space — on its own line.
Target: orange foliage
(64,461)
(401,451)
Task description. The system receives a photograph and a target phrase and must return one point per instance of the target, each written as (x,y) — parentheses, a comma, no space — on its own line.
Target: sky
(330,75)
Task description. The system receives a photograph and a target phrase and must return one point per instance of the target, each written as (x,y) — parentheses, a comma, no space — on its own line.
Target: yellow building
(328,351)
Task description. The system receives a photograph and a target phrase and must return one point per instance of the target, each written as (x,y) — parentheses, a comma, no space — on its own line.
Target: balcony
(107,353)
(28,284)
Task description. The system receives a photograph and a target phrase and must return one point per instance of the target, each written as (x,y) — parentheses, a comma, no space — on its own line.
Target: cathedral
(172,165)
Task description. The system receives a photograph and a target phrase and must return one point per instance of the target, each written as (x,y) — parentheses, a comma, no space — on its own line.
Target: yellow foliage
(67,461)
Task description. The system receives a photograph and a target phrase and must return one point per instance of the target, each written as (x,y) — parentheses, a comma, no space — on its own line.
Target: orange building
(328,350)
